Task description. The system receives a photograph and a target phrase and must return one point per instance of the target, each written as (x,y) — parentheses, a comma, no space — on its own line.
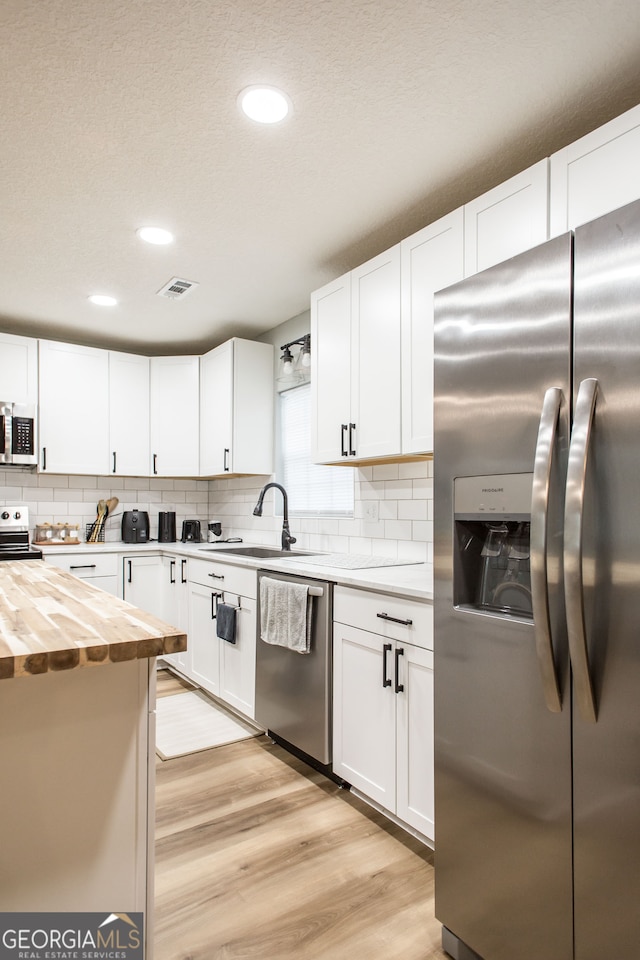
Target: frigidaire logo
(71,936)
(493,489)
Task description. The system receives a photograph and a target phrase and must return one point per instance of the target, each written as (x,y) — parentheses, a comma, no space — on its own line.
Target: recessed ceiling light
(155,235)
(102,300)
(264,104)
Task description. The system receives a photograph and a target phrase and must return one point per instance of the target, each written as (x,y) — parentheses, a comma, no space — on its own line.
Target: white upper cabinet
(128,414)
(596,174)
(74,408)
(330,370)
(375,351)
(431,259)
(174,416)
(236,409)
(18,369)
(507,220)
(355,356)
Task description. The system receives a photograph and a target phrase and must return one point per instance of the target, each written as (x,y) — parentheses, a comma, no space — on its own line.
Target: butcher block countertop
(51,621)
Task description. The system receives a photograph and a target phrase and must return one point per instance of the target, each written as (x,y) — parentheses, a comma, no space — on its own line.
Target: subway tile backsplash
(393,513)
(73,499)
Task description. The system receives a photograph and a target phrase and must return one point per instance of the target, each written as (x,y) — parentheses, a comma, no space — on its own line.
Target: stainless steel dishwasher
(293,690)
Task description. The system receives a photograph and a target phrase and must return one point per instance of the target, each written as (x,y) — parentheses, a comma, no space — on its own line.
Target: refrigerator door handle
(573,517)
(545,447)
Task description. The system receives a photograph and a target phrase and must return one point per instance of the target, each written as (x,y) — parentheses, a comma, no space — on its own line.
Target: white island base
(77,791)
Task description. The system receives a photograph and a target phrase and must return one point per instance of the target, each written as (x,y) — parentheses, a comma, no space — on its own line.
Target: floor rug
(189,722)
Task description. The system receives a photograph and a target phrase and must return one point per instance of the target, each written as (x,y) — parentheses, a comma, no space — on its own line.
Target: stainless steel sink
(259,552)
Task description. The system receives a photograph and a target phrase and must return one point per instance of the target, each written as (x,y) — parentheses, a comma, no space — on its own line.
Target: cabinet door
(253,408)
(74,409)
(596,174)
(143,582)
(174,416)
(205,645)
(175,605)
(129,414)
(216,393)
(415,738)
(375,356)
(330,370)
(364,713)
(18,369)
(431,259)
(507,220)
(238,660)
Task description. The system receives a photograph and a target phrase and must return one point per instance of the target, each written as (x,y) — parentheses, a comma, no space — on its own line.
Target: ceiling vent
(177,289)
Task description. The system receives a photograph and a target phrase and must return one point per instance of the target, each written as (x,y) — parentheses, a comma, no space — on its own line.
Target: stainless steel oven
(14,534)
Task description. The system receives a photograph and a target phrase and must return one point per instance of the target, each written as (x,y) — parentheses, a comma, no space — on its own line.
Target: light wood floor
(260,857)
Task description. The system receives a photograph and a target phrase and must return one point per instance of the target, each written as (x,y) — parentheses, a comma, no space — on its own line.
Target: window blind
(314,490)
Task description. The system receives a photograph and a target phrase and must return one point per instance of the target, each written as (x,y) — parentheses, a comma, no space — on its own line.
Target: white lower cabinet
(158,584)
(383,703)
(174,591)
(100,569)
(227,670)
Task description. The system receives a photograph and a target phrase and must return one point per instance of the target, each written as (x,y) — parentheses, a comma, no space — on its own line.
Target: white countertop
(411,580)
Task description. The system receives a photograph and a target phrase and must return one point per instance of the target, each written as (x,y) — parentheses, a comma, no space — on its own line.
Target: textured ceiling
(120,113)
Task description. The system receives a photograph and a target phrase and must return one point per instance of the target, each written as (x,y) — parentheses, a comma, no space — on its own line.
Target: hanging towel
(285,614)
(226,622)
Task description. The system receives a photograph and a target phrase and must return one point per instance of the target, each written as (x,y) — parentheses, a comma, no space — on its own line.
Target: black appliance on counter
(14,535)
(135,526)
(167,527)
(191,531)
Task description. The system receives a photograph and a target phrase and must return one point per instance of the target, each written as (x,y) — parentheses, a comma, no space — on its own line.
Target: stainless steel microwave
(17,434)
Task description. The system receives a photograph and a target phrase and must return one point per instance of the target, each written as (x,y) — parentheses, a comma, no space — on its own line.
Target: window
(314,490)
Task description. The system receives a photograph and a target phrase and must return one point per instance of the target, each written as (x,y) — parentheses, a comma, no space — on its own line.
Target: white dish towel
(285,614)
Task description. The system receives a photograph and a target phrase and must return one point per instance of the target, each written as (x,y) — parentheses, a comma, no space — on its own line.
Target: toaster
(190,530)
(135,526)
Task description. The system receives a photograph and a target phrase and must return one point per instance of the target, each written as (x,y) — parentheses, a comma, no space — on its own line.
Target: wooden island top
(52,621)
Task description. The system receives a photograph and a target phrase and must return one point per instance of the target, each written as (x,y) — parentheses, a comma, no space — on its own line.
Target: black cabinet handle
(386,682)
(183,564)
(216,576)
(352,449)
(129,576)
(343,429)
(385,616)
(399,687)
(82,566)
(225,465)
(172,566)
(214,604)
(44,458)
(114,462)
(155,463)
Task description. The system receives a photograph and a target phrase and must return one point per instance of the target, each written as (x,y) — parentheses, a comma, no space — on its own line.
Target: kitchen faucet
(287,539)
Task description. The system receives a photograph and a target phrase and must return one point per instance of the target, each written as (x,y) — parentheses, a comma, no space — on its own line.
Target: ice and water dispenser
(492,521)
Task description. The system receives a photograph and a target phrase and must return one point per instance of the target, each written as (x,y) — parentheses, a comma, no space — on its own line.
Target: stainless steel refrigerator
(537,601)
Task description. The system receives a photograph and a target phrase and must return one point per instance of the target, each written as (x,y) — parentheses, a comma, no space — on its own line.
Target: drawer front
(86,565)
(224,576)
(386,615)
